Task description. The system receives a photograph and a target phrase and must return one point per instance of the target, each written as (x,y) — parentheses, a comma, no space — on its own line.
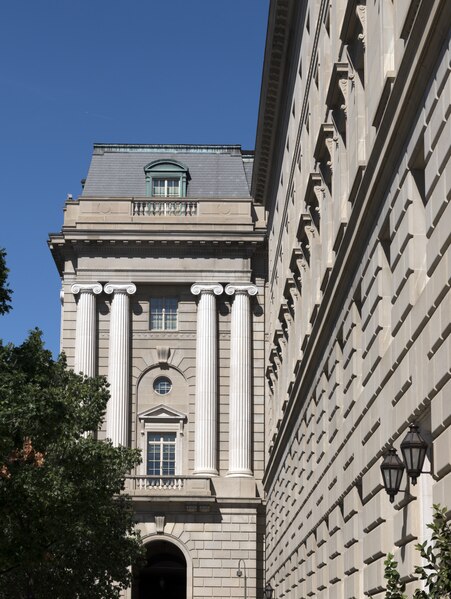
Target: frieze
(157,336)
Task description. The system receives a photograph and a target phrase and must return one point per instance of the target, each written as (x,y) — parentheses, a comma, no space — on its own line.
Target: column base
(206,472)
(240,473)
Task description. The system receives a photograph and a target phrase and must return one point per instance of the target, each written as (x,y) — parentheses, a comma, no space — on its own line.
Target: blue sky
(75,72)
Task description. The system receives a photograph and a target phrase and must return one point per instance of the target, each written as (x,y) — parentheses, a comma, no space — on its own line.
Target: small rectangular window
(163,313)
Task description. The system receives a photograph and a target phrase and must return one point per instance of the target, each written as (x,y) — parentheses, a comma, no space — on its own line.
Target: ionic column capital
(128,288)
(213,288)
(94,288)
(247,288)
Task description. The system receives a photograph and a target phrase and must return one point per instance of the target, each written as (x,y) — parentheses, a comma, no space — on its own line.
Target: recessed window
(161,454)
(162,385)
(163,313)
(162,445)
(166,188)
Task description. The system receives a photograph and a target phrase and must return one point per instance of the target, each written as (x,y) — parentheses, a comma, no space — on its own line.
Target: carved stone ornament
(320,194)
(330,142)
(199,288)
(361,15)
(351,72)
(343,86)
(163,353)
(248,288)
(95,288)
(129,288)
(159,524)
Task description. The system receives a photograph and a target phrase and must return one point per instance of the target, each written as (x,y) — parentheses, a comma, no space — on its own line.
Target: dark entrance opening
(164,574)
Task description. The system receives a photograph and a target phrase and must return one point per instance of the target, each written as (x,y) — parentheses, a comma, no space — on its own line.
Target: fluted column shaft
(85,332)
(206,412)
(240,399)
(117,414)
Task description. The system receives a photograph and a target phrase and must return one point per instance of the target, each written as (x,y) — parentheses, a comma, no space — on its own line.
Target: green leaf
(67,530)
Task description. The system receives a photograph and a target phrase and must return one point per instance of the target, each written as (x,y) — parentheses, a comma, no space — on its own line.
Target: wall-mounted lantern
(392,470)
(413,449)
(268,591)
(239,571)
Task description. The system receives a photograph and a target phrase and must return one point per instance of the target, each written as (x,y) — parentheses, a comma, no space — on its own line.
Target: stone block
(352,559)
(442,445)
(407,557)
(352,532)
(353,586)
(406,524)
(377,543)
(351,503)
(373,577)
(440,412)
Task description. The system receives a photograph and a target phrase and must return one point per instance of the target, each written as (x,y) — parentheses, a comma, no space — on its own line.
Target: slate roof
(215,171)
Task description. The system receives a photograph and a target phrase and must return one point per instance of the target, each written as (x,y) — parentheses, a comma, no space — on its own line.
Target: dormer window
(166,179)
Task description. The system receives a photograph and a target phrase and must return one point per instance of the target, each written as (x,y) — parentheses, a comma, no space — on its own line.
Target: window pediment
(162,413)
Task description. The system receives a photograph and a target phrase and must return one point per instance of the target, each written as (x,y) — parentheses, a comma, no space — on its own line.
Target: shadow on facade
(163,576)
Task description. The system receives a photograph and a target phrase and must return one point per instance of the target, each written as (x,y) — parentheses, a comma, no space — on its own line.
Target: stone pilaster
(205,455)
(85,332)
(119,363)
(240,400)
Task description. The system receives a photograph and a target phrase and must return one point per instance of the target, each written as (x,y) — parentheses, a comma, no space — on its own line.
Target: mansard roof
(215,171)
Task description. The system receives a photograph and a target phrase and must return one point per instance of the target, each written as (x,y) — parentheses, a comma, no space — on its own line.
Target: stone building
(271,326)
(163,270)
(352,165)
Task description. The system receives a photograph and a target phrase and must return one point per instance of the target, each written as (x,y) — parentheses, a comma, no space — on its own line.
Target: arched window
(166,179)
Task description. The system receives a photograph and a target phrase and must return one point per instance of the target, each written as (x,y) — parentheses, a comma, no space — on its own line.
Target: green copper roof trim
(169,148)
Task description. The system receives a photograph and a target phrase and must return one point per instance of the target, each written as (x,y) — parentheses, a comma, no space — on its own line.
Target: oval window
(162,385)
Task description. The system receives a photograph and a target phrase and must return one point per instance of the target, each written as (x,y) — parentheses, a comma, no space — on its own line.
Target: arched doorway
(164,574)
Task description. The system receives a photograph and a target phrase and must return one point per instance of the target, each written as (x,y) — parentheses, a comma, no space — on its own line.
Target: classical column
(119,363)
(85,331)
(206,412)
(240,399)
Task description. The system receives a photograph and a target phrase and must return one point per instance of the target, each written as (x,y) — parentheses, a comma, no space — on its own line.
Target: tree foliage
(66,530)
(5,291)
(395,587)
(436,570)
(436,573)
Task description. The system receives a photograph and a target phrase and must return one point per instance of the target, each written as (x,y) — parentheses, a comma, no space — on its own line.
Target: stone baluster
(85,332)
(206,412)
(240,400)
(117,414)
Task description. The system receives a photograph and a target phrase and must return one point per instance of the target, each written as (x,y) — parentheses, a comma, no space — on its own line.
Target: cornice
(276,50)
(100,148)
(99,237)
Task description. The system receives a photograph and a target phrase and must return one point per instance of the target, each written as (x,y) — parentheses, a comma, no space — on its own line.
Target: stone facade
(352,164)
(117,255)
(313,311)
